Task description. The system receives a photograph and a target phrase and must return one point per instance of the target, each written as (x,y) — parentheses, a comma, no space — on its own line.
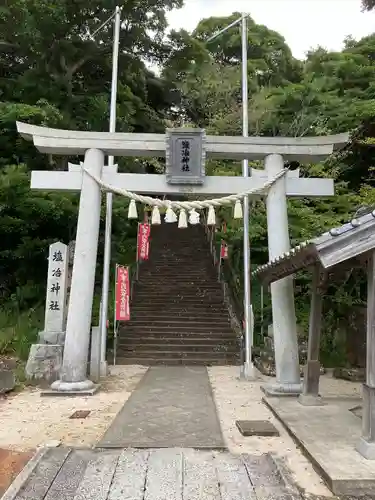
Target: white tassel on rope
(132,212)
(193,217)
(155,218)
(211,218)
(182,221)
(238,214)
(170,216)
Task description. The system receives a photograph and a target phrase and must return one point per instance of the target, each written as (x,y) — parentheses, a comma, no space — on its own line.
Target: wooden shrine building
(348,246)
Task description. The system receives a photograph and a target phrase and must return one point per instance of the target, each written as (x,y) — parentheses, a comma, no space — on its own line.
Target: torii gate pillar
(74,369)
(283,310)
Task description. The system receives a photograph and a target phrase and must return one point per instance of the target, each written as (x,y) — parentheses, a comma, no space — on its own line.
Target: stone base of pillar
(366,449)
(282,390)
(54,338)
(366,445)
(248,372)
(310,400)
(62,388)
(44,363)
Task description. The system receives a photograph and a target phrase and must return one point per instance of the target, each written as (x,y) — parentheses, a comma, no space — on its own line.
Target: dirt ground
(11,463)
(29,421)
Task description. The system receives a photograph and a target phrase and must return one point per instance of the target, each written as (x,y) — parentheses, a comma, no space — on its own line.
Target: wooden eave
(345,243)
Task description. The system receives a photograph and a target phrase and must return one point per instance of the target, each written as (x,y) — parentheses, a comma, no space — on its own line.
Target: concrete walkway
(171,407)
(168,474)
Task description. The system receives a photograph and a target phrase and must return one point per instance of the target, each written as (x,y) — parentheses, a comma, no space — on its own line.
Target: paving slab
(172,407)
(257,428)
(162,474)
(328,435)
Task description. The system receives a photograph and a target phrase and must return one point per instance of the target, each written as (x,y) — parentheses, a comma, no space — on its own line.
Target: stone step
(181,288)
(180,261)
(167,277)
(165,256)
(173,361)
(177,340)
(180,327)
(191,337)
(193,249)
(175,280)
(168,306)
(177,312)
(173,321)
(171,300)
(180,318)
(183,315)
(181,354)
(186,272)
(192,293)
(201,348)
(204,275)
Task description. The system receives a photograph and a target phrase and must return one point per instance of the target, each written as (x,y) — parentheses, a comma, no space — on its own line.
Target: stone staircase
(178,315)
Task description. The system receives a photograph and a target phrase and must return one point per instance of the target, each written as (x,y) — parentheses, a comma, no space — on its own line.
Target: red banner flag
(223,250)
(143,241)
(122,294)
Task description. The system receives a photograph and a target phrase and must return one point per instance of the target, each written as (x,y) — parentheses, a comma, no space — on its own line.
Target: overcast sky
(304,24)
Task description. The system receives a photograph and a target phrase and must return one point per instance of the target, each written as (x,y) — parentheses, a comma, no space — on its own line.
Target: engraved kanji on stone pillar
(55,315)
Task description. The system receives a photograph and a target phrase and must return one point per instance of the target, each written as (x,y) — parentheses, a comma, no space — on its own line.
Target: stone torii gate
(95,145)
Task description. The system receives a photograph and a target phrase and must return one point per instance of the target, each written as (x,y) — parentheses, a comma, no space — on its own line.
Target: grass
(18,330)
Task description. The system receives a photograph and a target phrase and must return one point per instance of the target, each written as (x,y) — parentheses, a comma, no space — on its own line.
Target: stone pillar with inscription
(45,358)
(55,315)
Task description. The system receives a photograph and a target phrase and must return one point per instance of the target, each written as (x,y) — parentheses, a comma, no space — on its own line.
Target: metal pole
(262,311)
(218,33)
(248,365)
(109,199)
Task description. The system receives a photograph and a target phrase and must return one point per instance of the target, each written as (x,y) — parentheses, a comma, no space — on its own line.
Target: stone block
(351,374)
(53,338)
(8,364)
(7,381)
(44,363)
(256,428)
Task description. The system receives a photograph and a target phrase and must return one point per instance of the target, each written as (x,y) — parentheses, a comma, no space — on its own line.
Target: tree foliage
(330,92)
(54,72)
(368,4)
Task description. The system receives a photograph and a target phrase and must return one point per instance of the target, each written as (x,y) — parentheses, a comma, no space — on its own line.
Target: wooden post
(366,445)
(310,395)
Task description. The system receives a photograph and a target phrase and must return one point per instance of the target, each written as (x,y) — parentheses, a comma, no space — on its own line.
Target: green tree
(368,4)
(331,92)
(54,73)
